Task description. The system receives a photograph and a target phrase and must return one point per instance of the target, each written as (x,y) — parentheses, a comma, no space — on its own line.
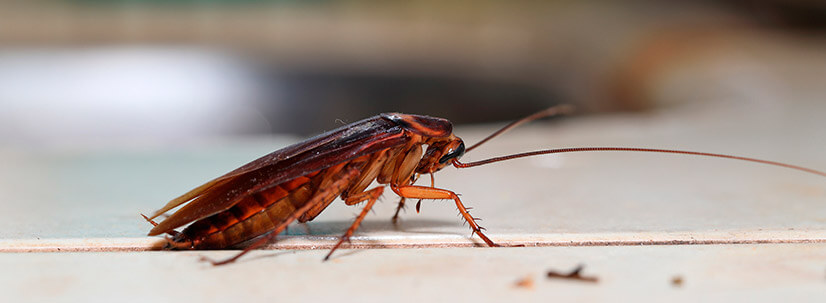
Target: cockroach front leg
(422,192)
(371,196)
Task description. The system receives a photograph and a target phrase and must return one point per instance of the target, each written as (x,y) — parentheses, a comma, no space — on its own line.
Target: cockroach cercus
(299,181)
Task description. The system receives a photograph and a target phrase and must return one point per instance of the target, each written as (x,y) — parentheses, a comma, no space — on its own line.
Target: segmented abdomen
(253,216)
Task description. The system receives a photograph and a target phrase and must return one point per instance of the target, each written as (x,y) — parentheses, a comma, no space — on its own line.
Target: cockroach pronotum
(299,181)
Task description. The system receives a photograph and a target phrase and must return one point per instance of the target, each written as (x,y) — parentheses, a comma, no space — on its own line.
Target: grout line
(439,241)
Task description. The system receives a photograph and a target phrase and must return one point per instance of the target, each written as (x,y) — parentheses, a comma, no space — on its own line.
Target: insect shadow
(333,228)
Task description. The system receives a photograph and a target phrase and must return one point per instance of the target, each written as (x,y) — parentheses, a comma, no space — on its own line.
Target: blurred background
(118,71)
(109,108)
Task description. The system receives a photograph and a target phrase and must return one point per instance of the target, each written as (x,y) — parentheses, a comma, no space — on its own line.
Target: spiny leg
(395,217)
(422,192)
(371,196)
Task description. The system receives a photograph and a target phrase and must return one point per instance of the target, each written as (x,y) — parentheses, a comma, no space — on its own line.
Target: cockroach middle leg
(400,206)
(395,217)
(422,192)
(306,228)
(371,196)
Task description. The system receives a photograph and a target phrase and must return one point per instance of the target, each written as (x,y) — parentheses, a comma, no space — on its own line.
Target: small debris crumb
(573,275)
(525,282)
(677,281)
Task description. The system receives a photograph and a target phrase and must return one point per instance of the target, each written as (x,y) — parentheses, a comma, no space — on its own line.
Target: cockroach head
(440,153)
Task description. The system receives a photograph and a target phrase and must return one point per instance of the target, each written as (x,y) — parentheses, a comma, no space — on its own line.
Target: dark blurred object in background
(328,97)
(805,15)
(100,70)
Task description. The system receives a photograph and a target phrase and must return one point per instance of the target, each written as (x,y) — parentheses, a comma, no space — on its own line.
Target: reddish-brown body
(300,181)
(251,217)
(260,197)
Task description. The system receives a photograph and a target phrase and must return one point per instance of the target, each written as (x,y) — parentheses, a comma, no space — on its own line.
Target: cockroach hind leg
(216,263)
(233,258)
(206,259)
(171,244)
(371,196)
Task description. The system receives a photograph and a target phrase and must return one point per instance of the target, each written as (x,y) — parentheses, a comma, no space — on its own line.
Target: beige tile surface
(81,198)
(709,273)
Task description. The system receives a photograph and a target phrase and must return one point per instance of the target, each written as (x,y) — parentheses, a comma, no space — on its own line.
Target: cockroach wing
(271,158)
(337,146)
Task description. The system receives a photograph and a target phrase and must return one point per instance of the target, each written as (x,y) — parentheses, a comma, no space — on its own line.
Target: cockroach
(298,182)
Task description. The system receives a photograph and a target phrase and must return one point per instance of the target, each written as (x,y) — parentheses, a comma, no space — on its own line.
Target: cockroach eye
(453,154)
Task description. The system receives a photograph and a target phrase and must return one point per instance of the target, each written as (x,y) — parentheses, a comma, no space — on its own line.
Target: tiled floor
(764,227)
(708,273)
